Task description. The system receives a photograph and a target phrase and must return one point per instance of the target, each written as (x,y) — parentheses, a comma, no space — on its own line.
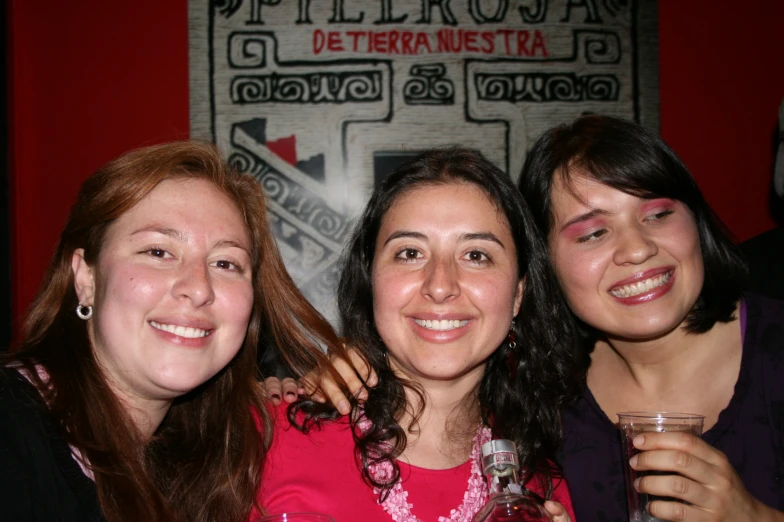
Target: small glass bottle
(507,503)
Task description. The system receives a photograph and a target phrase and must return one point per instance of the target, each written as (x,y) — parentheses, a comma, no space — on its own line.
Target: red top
(318,472)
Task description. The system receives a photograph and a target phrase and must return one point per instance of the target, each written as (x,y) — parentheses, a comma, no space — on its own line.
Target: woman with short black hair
(656,284)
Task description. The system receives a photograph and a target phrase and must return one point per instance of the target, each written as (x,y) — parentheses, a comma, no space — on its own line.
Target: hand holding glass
(633,424)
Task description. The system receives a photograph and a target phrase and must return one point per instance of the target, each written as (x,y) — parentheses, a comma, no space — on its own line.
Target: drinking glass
(297,517)
(631,425)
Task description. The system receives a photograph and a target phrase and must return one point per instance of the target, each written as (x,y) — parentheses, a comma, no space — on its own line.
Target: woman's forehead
(469,196)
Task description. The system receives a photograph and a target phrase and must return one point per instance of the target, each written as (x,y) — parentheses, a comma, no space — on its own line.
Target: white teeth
(182,331)
(641,286)
(441,325)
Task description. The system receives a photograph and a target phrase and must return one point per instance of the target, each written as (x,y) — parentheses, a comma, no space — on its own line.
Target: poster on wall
(320,99)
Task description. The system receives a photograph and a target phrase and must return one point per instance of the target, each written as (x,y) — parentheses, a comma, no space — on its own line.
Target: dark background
(5,227)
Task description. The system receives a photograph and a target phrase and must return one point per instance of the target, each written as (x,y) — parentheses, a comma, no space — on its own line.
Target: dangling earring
(84,312)
(512,359)
(510,338)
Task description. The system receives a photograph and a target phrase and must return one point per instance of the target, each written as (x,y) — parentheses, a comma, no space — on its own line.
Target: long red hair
(204,461)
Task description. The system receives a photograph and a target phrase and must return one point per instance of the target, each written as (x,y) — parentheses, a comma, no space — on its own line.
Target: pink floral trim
(397,505)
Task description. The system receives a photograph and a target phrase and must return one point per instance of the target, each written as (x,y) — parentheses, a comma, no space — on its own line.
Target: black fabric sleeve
(17,457)
(39,479)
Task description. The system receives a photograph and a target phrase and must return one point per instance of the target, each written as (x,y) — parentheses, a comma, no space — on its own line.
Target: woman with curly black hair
(449,297)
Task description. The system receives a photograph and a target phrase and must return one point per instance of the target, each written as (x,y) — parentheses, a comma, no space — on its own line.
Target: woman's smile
(629,266)
(445,282)
(181,331)
(644,287)
(442,325)
(174,290)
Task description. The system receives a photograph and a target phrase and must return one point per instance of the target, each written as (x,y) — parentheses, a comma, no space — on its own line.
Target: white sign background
(318,98)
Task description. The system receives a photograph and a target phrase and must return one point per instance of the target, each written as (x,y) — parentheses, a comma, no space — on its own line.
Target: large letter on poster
(319,99)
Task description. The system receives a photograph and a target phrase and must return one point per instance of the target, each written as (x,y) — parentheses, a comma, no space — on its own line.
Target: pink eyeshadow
(582,228)
(664,203)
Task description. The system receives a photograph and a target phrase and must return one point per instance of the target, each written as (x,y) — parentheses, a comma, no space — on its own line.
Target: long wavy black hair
(625,156)
(524,389)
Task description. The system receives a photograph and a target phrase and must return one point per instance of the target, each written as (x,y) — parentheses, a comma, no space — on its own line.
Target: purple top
(750,431)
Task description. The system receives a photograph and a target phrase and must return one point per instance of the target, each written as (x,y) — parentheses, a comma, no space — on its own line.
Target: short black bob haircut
(629,158)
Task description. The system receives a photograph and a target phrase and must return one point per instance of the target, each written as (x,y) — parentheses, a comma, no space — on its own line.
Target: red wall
(88,81)
(92,79)
(721,77)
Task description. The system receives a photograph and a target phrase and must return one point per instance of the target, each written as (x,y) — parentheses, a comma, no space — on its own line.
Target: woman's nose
(634,246)
(194,282)
(441,280)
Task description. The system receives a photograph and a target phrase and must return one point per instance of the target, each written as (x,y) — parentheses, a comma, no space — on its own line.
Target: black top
(39,478)
(765,257)
(750,430)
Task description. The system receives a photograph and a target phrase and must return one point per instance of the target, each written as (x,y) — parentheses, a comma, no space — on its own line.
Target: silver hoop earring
(84,312)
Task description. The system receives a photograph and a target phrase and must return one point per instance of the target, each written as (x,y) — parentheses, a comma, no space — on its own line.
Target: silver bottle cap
(499,457)
(498,446)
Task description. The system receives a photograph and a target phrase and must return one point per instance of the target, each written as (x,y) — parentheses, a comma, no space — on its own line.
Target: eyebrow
(230,243)
(404,233)
(183,238)
(472,236)
(482,236)
(584,217)
(172,233)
